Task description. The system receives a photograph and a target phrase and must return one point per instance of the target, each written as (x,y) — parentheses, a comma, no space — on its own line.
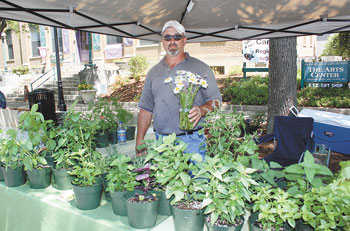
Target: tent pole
(61,104)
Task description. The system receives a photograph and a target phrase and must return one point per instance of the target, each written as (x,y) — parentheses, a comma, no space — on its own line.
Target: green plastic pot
(113,137)
(188,220)
(39,178)
(141,215)
(14,177)
(220,228)
(130,133)
(164,204)
(1,175)
(254,217)
(87,197)
(102,140)
(62,179)
(118,203)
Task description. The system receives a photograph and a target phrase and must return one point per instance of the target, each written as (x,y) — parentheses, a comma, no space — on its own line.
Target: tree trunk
(282,78)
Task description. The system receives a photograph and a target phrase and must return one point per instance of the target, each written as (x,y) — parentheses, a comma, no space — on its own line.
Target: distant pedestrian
(2,100)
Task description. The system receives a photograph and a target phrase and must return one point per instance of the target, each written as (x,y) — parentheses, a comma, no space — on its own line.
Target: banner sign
(256,51)
(326,72)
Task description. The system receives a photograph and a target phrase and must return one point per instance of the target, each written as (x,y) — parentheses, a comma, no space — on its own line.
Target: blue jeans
(196,143)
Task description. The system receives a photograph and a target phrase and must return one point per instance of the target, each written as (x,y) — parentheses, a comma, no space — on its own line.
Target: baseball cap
(176,25)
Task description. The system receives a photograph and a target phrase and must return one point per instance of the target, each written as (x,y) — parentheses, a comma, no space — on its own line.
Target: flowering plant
(85,86)
(187,85)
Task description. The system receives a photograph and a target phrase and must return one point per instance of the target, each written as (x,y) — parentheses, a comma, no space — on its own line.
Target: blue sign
(326,72)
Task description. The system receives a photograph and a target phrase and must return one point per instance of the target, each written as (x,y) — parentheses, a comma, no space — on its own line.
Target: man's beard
(174,50)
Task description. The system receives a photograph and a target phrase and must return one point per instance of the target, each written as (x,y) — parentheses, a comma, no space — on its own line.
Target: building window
(60,41)
(147,42)
(113,39)
(35,40)
(9,44)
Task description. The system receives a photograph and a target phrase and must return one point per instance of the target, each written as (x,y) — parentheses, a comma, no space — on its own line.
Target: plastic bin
(45,99)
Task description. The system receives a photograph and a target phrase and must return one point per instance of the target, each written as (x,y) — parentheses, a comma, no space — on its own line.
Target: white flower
(168,80)
(178,79)
(193,79)
(177,89)
(180,85)
(204,83)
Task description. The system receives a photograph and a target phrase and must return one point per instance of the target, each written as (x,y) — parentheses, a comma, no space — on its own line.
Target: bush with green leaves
(328,207)
(120,176)
(228,191)
(22,70)
(224,134)
(137,65)
(235,70)
(86,170)
(171,166)
(324,97)
(40,138)
(253,91)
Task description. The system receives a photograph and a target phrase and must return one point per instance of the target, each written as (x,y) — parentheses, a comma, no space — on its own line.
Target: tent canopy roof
(204,20)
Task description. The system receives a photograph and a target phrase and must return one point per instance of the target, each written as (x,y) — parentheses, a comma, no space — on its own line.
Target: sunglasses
(176,37)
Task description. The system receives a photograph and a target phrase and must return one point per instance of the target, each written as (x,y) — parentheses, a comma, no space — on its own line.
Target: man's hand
(141,149)
(195,115)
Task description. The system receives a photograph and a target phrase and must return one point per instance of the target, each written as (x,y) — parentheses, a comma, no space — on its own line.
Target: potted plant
(87,184)
(11,157)
(275,207)
(142,205)
(185,191)
(326,207)
(87,92)
(72,135)
(36,147)
(106,119)
(120,179)
(227,193)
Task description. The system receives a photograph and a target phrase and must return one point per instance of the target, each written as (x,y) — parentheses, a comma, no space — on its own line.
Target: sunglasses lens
(176,37)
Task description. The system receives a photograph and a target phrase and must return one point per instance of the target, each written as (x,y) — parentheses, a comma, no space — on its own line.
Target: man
(158,99)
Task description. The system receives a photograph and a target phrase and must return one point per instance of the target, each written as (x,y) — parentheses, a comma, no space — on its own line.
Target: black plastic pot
(88,197)
(39,178)
(14,177)
(188,220)
(130,133)
(221,228)
(254,217)
(62,180)
(113,137)
(118,203)
(141,215)
(102,140)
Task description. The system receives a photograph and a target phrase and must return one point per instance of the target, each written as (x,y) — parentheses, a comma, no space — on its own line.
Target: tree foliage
(338,45)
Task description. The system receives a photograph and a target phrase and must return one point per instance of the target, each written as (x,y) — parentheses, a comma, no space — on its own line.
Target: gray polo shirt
(157,97)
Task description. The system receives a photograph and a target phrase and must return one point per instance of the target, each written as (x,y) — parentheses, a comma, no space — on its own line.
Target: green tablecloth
(26,209)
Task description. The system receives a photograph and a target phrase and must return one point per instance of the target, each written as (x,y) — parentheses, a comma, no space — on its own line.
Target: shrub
(324,97)
(235,70)
(253,91)
(22,70)
(137,65)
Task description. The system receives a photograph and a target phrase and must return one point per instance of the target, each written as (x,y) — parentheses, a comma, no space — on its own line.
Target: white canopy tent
(204,20)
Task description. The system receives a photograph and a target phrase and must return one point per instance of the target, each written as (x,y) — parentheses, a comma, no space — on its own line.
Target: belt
(184,133)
